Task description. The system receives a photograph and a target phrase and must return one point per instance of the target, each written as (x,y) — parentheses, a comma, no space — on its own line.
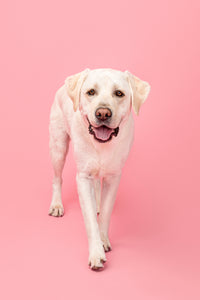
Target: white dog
(93,109)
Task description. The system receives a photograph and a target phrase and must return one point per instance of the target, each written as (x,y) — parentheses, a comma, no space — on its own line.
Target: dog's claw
(107,248)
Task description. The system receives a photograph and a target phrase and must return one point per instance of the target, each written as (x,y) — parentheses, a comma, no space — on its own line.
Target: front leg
(109,191)
(88,205)
(59,144)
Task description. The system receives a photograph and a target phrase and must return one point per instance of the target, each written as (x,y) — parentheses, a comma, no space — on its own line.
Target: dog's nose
(103,113)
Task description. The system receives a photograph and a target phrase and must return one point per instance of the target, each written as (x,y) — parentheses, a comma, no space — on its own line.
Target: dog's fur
(101,146)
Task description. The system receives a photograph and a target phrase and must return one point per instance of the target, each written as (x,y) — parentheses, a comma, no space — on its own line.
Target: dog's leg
(59,143)
(109,191)
(88,206)
(97,189)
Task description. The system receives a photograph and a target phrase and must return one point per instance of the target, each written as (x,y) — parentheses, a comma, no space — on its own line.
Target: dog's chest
(101,162)
(110,161)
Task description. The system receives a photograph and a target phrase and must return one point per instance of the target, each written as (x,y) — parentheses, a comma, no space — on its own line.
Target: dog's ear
(73,84)
(139,91)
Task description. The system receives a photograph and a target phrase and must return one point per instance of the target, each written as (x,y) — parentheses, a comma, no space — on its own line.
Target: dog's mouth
(103,133)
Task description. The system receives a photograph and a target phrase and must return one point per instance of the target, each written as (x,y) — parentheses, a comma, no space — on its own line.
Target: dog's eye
(118,93)
(91,92)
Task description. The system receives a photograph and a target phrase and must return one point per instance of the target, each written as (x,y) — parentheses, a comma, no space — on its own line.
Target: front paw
(97,257)
(56,210)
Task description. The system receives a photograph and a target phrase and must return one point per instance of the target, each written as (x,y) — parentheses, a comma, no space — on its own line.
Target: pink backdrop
(155,224)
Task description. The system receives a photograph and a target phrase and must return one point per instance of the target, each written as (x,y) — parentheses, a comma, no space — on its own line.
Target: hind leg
(59,144)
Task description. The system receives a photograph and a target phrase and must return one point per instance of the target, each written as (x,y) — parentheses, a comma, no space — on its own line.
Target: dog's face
(105,97)
(105,101)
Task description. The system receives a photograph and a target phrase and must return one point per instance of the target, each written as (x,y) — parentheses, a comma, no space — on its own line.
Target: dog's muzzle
(103,133)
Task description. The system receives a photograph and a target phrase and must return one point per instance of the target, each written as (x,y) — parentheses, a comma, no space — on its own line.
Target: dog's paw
(97,258)
(106,242)
(56,210)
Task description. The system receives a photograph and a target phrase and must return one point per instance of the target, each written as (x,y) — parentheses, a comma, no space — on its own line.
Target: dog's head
(105,97)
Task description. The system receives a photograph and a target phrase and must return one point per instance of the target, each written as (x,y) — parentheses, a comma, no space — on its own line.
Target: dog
(93,110)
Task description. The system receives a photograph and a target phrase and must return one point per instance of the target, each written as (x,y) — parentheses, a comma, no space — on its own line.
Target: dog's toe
(96,266)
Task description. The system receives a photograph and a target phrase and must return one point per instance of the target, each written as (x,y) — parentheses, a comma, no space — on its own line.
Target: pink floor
(155,226)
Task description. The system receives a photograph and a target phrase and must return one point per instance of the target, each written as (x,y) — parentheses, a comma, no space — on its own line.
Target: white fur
(96,162)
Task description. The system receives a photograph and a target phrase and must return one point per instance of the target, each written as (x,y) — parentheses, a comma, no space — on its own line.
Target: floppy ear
(74,84)
(139,91)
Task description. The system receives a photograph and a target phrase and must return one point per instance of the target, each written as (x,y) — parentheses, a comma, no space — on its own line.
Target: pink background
(155,224)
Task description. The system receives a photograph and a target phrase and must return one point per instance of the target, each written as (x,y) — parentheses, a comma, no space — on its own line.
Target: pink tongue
(103,133)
